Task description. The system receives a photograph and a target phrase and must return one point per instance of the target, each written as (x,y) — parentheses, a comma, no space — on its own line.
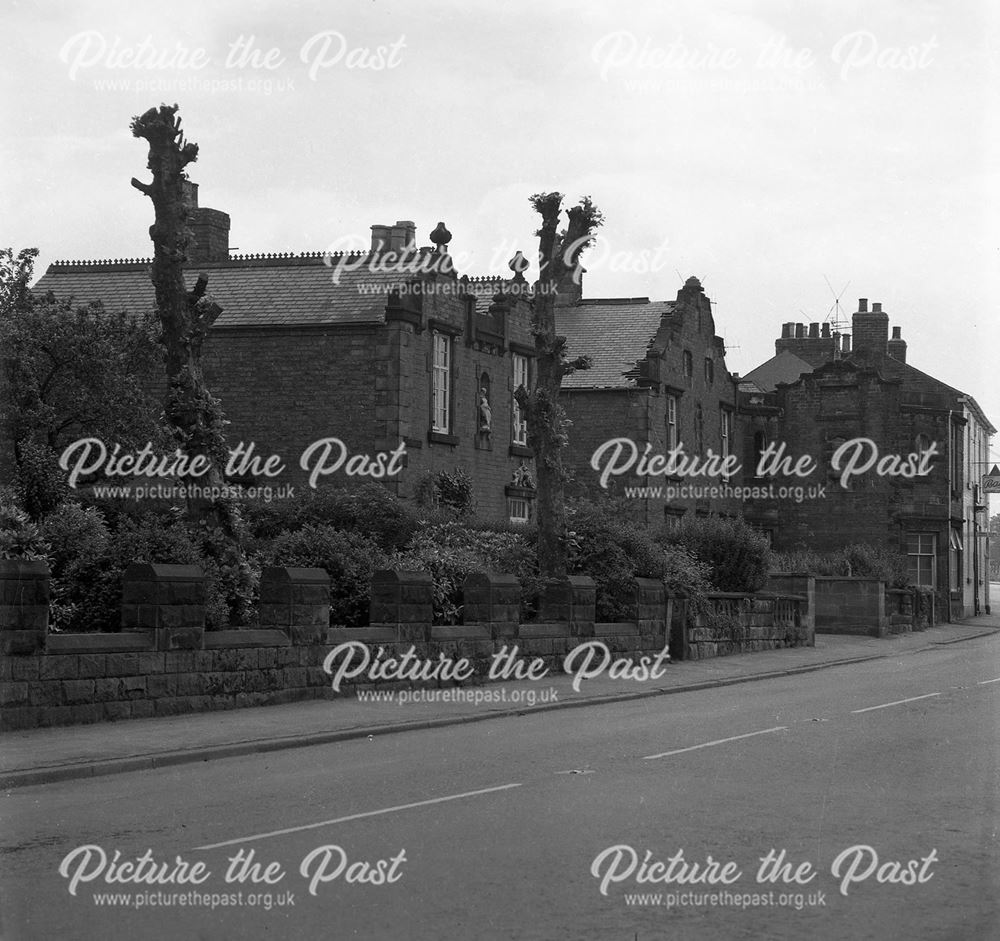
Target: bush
(40,481)
(19,537)
(80,541)
(612,551)
(449,552)
(369,509)
(350,559)
(860,559)
(448,490)
(736,554)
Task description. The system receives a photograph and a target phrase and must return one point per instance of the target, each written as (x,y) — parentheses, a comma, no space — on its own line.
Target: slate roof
(614,333)
(783,367)
(271,290)
(294,290)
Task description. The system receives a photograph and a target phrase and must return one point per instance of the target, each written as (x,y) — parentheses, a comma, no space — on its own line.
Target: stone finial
(518,264)
(441,237)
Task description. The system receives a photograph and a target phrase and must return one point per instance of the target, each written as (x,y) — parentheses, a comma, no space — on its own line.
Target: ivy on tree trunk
(559,260)
(193,414)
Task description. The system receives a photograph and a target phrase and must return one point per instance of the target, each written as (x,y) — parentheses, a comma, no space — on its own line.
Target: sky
(786,153)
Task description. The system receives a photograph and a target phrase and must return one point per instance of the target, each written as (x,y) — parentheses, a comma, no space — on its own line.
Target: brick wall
(370,386)
(639,412)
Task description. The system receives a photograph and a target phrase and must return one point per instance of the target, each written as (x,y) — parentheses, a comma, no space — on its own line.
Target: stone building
(821,391)
(387,351)
(659,379)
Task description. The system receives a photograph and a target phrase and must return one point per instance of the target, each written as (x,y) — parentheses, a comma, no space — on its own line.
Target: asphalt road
(865,777)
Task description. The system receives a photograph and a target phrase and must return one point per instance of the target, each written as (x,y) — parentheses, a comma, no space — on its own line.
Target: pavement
(40,756)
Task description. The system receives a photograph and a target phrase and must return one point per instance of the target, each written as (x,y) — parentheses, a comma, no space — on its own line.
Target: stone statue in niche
(522,477)
(485,412)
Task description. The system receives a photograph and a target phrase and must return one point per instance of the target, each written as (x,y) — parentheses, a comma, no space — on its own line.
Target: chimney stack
(870,330)
(394,238)
(210,229)
(896,347)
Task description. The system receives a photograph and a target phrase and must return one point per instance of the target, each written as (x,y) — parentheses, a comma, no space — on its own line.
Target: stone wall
(851,605)
(163,662)
(745,623)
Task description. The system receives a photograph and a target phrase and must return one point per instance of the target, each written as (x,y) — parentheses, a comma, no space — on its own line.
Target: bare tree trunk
(558,255)
(195,417)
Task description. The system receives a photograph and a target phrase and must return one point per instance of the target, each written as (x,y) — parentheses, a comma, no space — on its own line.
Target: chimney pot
(826,331)
(897,333)
(876,307)
(863,305)
(380,237)
(846,346)
(800,331)
(814,331)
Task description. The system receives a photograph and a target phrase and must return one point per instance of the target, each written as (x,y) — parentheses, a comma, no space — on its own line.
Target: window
(699,430)
(441,409)
(921,551)
(672,435)
(517,509)
(956,547)
(709,370)
(672,517)
(688,361)
(726,428)
(519,424)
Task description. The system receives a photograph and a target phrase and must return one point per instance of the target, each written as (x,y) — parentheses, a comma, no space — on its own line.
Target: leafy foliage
(612,551)
(350,559)
(859,559)
(736,554)
(368,508)
(77,372)
(20,538)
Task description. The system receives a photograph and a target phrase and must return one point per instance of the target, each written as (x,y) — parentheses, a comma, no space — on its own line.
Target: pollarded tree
(193,414)
(559,254)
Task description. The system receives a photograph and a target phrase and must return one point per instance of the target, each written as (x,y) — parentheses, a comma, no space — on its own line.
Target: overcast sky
(765,146)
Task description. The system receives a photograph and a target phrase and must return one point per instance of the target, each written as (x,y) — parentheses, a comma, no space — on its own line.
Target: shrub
(449,490)
(736,554)
(860,559)
(41,483)
(350,559)
(369,509)
(612,551)
(234,575)
(19,537)
(80,541)
(449,553)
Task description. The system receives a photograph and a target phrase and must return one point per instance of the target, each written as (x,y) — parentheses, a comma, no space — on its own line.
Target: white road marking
(367,813)
(984,682)
(718,741)
(898,702)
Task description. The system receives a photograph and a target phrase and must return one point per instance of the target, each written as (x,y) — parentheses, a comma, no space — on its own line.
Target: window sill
(439,437)
(521,450)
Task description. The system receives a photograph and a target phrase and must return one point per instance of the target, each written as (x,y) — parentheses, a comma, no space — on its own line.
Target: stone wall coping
(859,579)
(249,637)
(22,567)
(366,635)
(402,578)
(460,632)
(544,629)
(124,642)
(297,576)
(615,627)
(492,578)
(161,572)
